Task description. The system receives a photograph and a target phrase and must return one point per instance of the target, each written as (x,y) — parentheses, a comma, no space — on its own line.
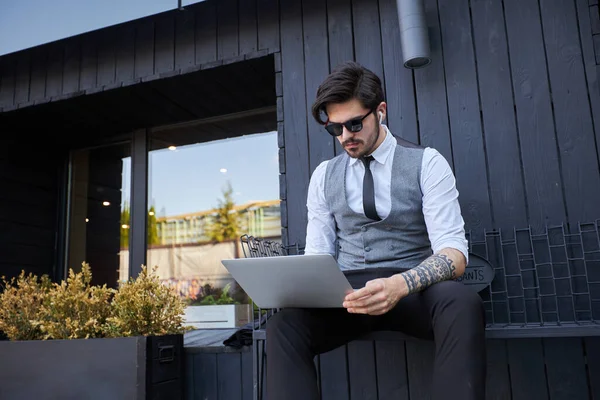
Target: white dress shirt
(445,225)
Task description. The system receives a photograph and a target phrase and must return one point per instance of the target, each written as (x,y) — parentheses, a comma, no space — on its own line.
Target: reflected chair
(259,247)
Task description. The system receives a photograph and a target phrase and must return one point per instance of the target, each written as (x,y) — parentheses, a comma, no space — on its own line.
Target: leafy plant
(208,294)
(21,306)
(219,298)
(144,306)
(33,308)
(74,309)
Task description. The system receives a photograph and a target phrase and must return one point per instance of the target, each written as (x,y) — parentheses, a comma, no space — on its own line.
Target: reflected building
(258,218)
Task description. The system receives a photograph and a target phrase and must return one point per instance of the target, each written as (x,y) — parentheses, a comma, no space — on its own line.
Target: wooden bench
(522,301)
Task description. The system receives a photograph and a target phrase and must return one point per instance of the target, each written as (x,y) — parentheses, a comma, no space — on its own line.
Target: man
(398,235)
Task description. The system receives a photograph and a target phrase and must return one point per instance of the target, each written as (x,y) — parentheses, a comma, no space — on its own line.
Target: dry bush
(145,306)
(75,309)
(21,306)
(33,308)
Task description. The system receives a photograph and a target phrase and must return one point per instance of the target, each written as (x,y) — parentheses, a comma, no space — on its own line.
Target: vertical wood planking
(334,374)
(268,25)
(527,376)
(189,374)
(185,46)
(314,20)
(54,75)
(229,376)
(227,29)
(497,106)
(106,58)
(497,379)
(248,30)
(367,36)
(392,378)
(144,49)
(206,33)
(340,33)
(7,81)
(205,376)
(125,55)
(294,107)
(362,374)
(430,88)
(566,369)
(419,363)
(399,90)
(595,19)
(37,90)
(592,352)
(164,46)
(89,62)
(22,77)
(534,114)
(574,127)
(247,385)
(71,66)
(463,110)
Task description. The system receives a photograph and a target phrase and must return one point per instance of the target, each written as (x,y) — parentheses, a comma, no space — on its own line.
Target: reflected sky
(191,178)
(28,23)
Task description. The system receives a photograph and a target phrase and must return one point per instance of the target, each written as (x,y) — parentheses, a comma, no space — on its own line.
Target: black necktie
(369,191)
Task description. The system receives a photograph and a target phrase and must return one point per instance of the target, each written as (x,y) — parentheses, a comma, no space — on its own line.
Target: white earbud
(380,116)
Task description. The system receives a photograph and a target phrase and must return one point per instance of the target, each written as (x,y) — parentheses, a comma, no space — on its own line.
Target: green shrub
(33,308)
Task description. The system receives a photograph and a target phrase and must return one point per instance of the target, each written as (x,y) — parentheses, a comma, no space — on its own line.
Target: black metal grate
(259,247)
(546,280)
(542,280)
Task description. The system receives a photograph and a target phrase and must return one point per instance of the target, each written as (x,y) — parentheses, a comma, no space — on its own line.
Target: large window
(202,196)
(99,212)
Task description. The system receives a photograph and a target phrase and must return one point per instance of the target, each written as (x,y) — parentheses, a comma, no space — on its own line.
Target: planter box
(136,368)
(218,316)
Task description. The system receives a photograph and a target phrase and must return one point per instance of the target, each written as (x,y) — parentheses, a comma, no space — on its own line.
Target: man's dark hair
(348,81)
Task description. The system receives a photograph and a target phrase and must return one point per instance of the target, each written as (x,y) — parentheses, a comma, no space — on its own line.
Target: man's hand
(377,297)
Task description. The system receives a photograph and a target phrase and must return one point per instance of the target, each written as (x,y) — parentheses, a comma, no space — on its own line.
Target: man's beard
(366,150)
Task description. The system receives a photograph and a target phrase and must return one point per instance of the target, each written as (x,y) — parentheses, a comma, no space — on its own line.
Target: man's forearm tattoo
(436,268)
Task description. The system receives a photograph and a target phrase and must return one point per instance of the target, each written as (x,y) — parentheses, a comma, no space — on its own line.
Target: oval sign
(478,274)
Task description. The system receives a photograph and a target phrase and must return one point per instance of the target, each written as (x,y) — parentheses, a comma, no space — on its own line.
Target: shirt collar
(382,153)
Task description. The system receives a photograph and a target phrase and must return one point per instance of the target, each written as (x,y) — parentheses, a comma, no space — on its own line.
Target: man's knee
(286,323)
(458,299)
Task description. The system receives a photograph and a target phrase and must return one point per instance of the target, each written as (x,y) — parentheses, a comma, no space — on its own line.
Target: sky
(28,23)
(192,178)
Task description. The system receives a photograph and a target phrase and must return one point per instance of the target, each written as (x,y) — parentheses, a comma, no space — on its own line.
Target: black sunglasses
(354,125)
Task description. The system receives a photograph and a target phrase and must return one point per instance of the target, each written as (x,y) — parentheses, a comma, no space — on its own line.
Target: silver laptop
(296,281)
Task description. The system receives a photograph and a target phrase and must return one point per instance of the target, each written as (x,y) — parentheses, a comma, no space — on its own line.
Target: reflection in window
(202,198)
(99,213)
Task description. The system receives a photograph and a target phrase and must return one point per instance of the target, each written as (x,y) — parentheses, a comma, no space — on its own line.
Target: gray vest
(398,241)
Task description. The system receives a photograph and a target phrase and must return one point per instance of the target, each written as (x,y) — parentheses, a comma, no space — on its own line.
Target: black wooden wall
(203,35)
(29,178)
(517,369)
(511,99)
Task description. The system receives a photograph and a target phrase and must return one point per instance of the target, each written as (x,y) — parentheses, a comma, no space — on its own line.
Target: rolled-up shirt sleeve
(320,231)
(441,208)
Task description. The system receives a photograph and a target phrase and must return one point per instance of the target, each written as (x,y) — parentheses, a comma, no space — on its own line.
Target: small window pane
(99,212)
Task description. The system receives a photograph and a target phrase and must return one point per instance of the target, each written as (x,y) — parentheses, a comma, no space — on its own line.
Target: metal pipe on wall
(413,33)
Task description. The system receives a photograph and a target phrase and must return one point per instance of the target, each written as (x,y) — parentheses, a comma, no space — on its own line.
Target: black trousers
(448,312)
